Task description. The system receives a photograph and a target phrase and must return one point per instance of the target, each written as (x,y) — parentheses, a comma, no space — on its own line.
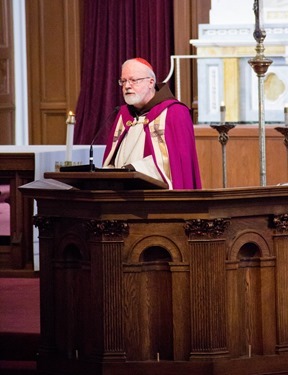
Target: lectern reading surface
(103,180)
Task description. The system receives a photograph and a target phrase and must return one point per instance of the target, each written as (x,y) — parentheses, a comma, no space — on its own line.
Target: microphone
(91,151)
(89,167)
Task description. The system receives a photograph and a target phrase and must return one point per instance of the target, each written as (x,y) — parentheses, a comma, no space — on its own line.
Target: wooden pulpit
(146,280)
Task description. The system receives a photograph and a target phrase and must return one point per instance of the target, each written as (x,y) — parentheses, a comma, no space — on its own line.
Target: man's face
(137,92)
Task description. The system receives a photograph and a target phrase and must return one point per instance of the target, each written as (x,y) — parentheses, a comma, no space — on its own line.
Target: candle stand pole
(223,138)
(260,65)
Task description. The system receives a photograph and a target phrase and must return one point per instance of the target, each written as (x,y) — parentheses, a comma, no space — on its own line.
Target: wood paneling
(53,48)
(7,118)
(242,156)
(7,107)
(53,126)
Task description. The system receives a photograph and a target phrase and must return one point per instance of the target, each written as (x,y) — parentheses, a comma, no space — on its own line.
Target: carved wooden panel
(53,53)
(53,126)
(208,331)
(7,109)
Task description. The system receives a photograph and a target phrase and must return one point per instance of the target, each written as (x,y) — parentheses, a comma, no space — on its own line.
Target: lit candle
(286,114)
(222,113)
(69,136)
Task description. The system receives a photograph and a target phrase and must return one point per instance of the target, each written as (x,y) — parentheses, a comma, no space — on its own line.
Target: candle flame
(71,118)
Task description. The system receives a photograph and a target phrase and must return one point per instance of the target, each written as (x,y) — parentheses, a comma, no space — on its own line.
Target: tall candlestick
(260,65)
(69,136)
(259,32)
(223,138)
(258,11)
(261,16)
(222,113)
(286,114)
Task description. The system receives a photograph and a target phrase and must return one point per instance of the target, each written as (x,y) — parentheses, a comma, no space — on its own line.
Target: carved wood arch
(245,237)
(248,277)
(152,241)
(73,239)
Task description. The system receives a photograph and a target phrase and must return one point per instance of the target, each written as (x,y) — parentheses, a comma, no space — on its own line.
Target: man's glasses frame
(132,81)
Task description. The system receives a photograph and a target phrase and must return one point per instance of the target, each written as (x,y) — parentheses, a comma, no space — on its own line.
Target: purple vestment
(180,141)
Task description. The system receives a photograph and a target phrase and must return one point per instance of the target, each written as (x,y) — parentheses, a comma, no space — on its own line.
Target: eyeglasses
(132,81)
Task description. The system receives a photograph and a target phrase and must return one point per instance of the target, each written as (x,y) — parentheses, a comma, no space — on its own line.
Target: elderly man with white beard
(153,132)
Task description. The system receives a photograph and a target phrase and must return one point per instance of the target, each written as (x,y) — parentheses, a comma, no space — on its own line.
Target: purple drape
(115,30)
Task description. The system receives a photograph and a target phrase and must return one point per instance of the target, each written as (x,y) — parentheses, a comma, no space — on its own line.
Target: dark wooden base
(258,365)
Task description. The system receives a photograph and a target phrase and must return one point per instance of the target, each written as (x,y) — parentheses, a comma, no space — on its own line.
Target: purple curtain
(115,30)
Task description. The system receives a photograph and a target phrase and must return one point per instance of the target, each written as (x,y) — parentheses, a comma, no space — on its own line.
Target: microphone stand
(92,166)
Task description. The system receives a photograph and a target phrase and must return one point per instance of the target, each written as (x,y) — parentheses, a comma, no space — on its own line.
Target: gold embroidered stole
(157,128)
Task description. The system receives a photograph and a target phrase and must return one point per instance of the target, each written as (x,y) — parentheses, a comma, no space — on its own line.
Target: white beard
(132,99)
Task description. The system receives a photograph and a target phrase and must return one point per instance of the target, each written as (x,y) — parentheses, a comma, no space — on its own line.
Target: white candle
(222,112)
(70,136)
(286,114)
